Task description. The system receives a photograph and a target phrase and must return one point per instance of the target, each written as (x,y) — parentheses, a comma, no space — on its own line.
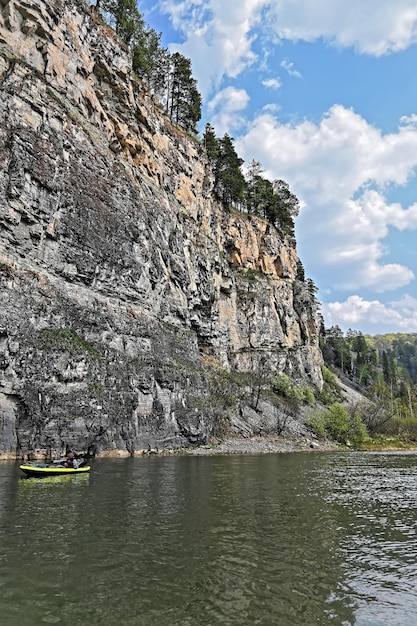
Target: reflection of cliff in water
(241,536)
(234,540)
(8,488)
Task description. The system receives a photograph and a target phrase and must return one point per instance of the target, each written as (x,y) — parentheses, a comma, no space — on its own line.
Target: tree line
(168,76)
(385,368)
(252,192)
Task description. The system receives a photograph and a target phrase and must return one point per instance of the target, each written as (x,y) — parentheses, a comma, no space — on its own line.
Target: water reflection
(7,486)
(295,540)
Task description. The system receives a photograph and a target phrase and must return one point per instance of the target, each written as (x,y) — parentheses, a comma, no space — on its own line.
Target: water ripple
(295,540)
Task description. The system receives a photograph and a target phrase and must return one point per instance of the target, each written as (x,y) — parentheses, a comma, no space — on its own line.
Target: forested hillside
(385,367)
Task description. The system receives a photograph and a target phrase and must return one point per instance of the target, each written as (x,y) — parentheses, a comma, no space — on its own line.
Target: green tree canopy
(167,75)
(230,183)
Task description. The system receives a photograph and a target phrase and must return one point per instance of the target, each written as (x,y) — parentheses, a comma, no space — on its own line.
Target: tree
(149,58)
(192,110)
(211,143)
(339,424)
(289,202)
(285,207)
(375,414)
(127,19)
(253,177)
(300,271)
(184,101)
(230,184)
(337,352)
(271,200)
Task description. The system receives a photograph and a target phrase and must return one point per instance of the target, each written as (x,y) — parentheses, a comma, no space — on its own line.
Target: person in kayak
(71,461)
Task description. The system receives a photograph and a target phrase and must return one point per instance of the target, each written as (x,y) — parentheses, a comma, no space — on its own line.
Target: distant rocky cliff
(130,300)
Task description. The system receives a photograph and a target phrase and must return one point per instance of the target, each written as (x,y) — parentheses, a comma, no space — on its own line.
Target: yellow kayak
(52,470)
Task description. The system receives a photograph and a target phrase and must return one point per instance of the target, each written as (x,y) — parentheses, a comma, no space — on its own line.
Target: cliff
(131,302)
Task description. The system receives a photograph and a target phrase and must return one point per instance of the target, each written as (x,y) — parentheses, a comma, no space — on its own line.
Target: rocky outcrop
(130,301)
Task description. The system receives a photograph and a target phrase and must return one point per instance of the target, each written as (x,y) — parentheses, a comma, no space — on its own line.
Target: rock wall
(130,301)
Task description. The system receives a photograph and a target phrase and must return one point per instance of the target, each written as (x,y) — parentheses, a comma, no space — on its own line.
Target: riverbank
(263,445)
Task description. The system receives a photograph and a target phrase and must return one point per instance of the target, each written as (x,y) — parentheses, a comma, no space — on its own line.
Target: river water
(296,539)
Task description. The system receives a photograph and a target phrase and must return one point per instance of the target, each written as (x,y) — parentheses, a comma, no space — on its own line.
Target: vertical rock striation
(129,297)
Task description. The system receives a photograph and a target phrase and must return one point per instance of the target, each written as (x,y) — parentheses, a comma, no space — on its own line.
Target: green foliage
(167,75)
(184,101)
(150,60)
(211,143)
(300,271)
(338,424)
(309,397)
(64,340)
(331,390)
(271,200)
(283,386)
(385,367)
(328,377)
(229,181)
(408,428)
(96,389)
(126,18)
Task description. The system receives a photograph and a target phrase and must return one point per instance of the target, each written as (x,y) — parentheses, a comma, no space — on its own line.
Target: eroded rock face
(128,295)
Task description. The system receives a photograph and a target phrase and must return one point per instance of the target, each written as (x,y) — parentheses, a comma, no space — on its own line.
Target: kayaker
(71,461)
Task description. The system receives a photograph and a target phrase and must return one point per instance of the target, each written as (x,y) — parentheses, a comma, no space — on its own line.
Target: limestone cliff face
(128,295)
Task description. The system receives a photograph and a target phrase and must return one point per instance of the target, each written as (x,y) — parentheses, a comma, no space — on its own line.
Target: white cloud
(288,66)
(225,109)
(271,107)
(373,27)
(272,83)
(219,35)
(341,168)
(372,316)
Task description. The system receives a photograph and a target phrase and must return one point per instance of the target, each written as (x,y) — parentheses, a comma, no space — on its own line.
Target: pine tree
(127,19)
(147,53)
(184,101)
(253,177)
(230,183)
(211,143)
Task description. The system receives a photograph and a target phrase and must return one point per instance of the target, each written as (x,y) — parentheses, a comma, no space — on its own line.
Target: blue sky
(324,94)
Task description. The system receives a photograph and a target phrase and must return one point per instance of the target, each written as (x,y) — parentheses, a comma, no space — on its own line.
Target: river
(295,539)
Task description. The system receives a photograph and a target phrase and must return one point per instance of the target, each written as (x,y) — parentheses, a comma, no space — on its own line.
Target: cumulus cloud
(219,35)
(341,168)
(225,109)
(373,316)
(272,83)
(373,27)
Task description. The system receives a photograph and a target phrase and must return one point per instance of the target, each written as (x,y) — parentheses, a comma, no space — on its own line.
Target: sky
(323,93)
